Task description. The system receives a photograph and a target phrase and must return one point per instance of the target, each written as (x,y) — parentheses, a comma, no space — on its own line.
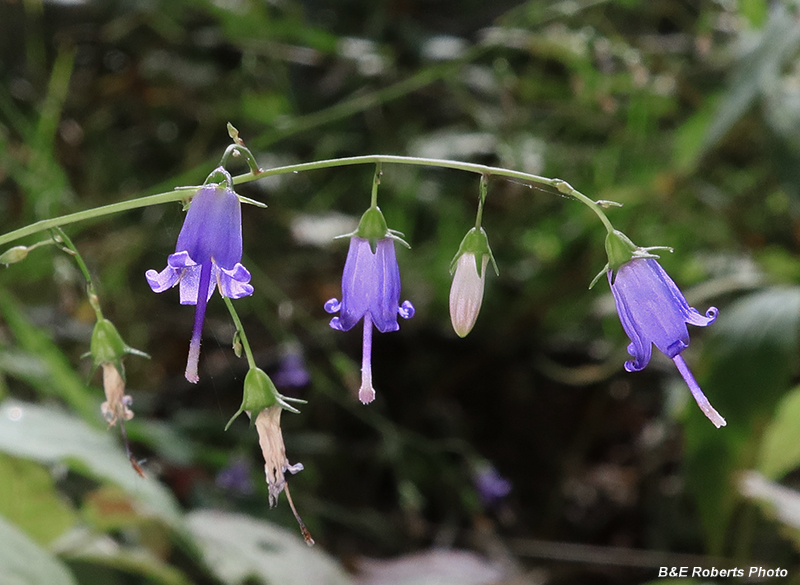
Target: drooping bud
(466,293)
(469,277)
(14,255)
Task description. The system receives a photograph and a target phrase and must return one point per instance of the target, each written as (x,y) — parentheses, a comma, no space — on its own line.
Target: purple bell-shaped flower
(653,311)
(207,255)
(370,289)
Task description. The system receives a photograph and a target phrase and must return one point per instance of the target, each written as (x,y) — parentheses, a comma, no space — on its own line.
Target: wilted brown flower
(117,404)
(268,425)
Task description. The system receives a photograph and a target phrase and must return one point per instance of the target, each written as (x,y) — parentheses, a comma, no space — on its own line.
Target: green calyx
(373,227)
(221,177)
(260,393)
(107,345)
(621,250)
(476,242)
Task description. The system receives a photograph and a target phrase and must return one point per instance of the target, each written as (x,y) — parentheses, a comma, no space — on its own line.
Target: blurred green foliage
(685,112)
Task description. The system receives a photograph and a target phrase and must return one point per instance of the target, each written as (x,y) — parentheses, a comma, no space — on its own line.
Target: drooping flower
(370,290)
(469,276)
(653,311)
(208,255)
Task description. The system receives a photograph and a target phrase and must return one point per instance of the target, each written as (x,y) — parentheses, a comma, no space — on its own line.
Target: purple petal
(385,304)
(190,281)
(180,260)
(406,310)
(690,314)
(161,281)
(649,310)
(332,306)
(358,283)
(233,283)
(370,285)
(212,229)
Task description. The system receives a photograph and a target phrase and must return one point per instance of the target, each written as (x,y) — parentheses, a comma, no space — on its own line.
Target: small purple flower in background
(207,255)
(490,485)
(291,372)
(236,478)
(370,289)
(653,311)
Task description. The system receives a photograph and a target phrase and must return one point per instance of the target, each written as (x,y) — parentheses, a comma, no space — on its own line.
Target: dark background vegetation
(686,112)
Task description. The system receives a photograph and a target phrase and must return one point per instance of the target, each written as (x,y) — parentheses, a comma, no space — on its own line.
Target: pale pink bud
(466,293)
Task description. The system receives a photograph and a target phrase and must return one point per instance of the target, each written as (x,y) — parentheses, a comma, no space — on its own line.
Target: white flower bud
(466,293)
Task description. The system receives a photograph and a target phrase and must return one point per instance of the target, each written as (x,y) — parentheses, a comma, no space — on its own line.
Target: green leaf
(23,562)
(758,71)
(752,356)
(100,550)
(238,548)
(48,370)
(49,435)
(777,501)
(29,499)
(780,447)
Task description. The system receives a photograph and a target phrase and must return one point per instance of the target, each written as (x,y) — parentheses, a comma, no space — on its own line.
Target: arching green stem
(376,159)
(72,250)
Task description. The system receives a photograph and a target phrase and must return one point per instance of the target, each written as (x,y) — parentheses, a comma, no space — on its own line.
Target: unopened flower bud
(14,255)
(466,293)
(469,276)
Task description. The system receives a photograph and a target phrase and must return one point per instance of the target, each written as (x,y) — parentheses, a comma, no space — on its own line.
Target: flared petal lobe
(653,311)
